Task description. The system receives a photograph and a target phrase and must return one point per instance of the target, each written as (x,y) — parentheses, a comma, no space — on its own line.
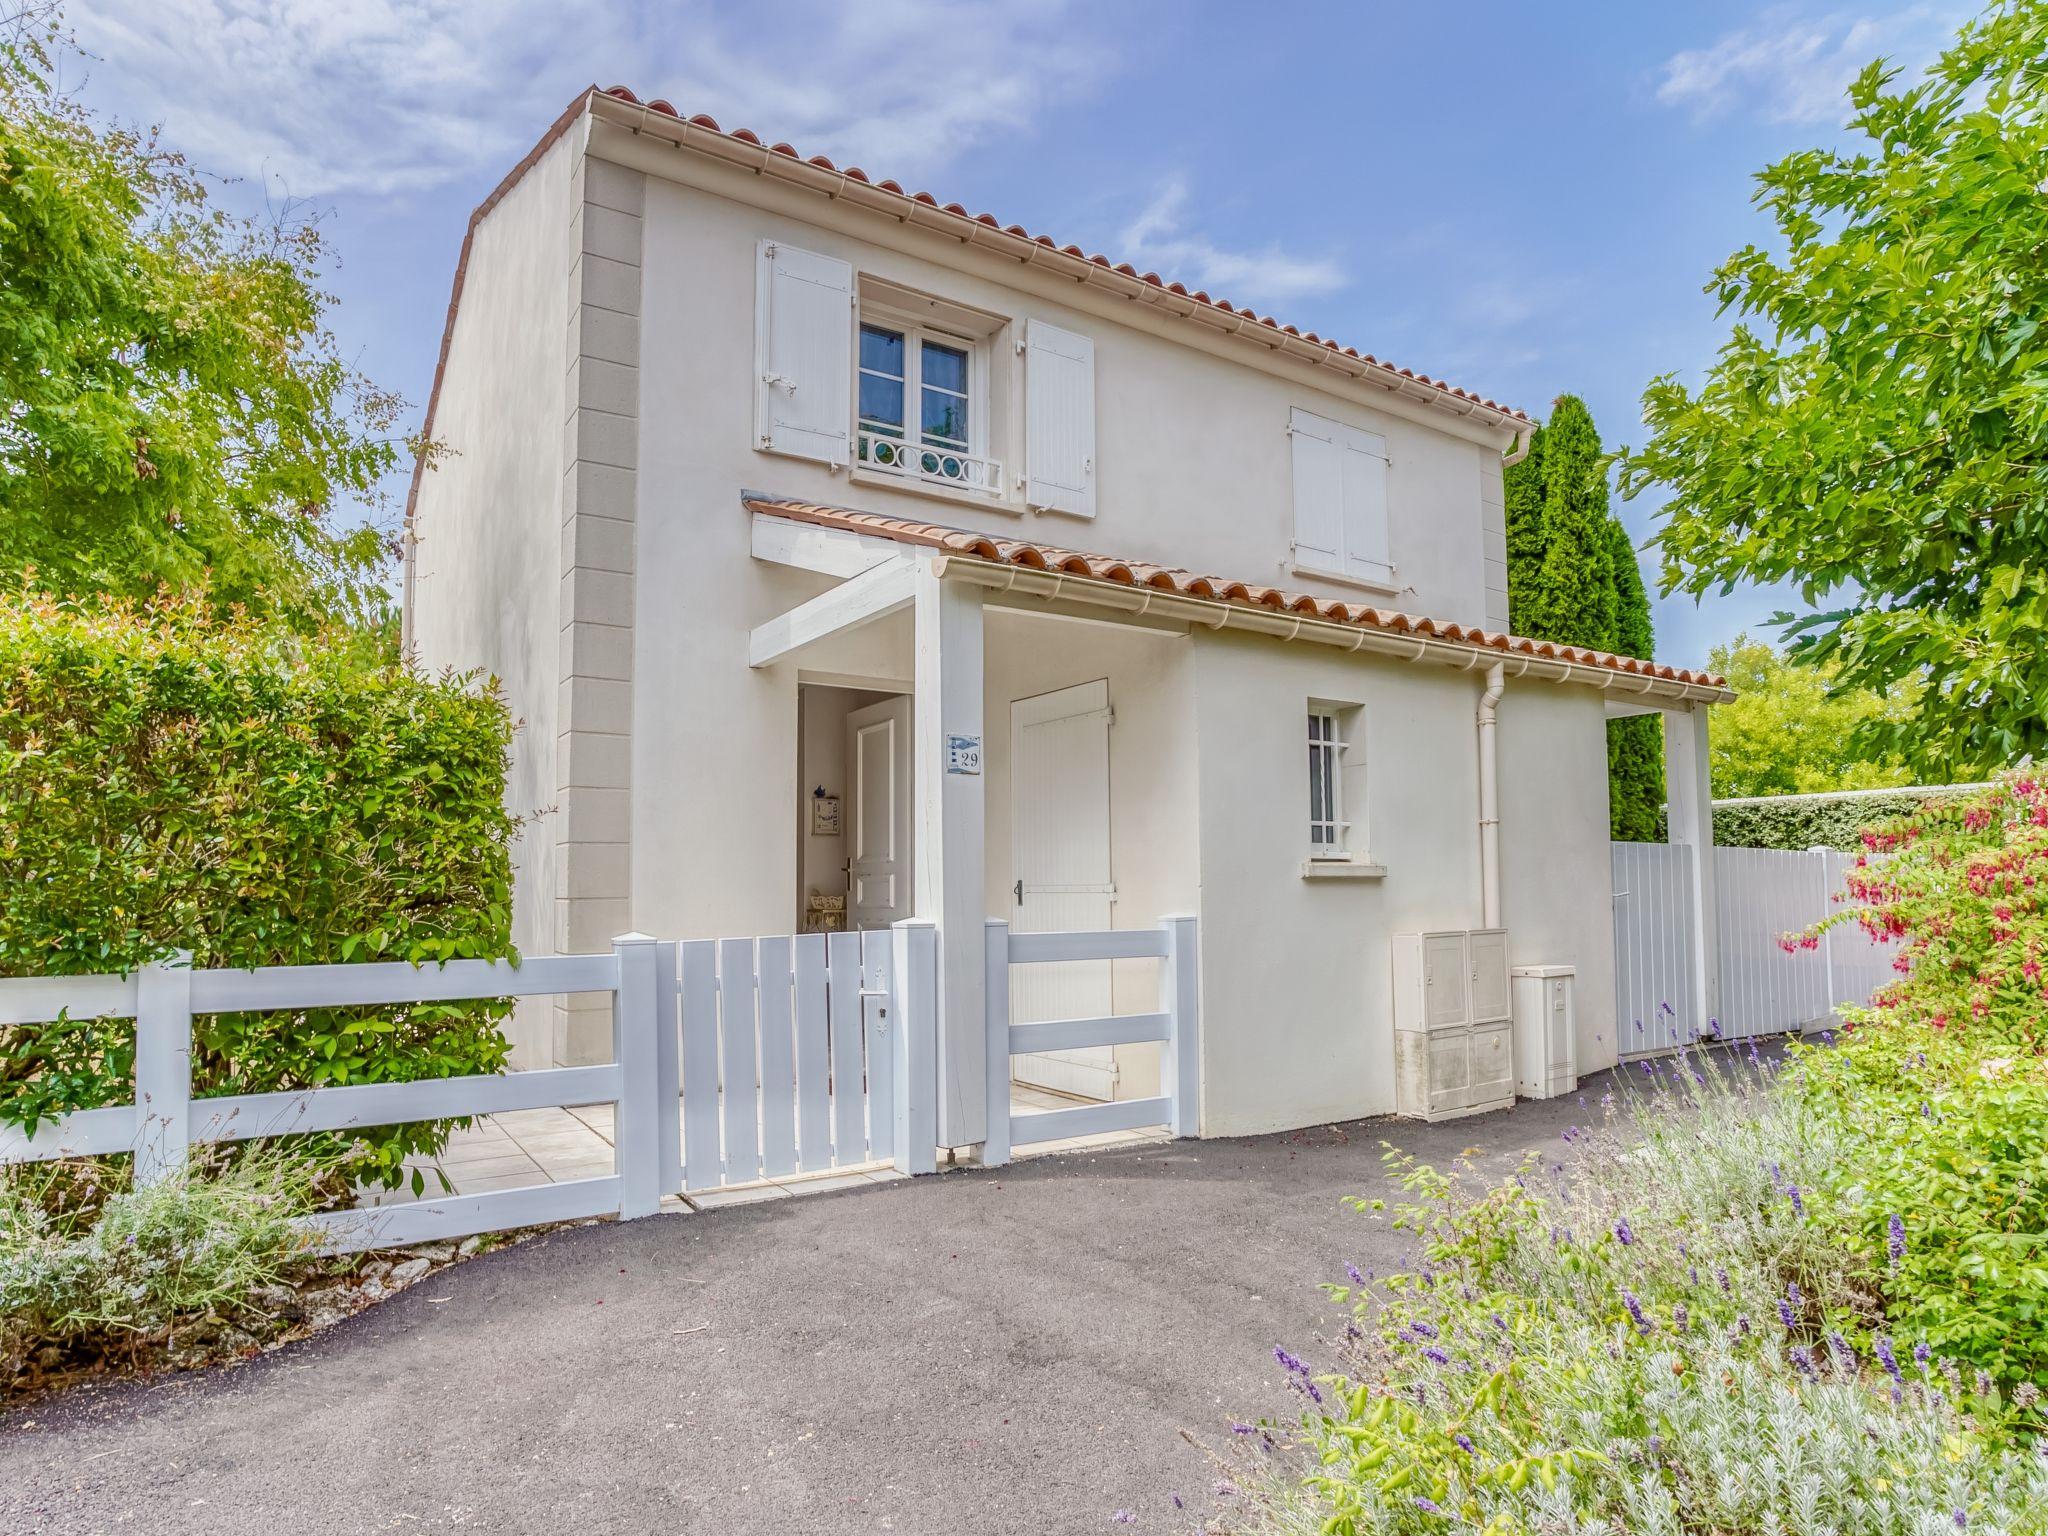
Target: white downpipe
(1489,798)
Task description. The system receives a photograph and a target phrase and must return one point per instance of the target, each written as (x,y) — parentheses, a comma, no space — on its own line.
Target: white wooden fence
(825,1051)
(1764,894)
(1761,895)
(1653,946)
(1174,1025)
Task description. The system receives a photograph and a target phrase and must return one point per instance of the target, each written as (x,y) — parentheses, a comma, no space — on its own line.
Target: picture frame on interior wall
(824,815)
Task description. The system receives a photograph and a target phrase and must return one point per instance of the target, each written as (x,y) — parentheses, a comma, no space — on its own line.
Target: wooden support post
(1180,1062)
(636,1019)
(1689,809)
(914,976)
(995,1145)
(163,1067)
(946,738)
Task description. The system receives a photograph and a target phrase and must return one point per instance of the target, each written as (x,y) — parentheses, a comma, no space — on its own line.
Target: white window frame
(1328,834)
(971,470)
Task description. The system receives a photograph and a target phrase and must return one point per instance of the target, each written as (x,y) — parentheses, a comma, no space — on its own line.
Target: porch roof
(1027,555)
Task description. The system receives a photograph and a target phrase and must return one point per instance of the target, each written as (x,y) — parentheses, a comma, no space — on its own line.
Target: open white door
(1059,788)
(878,839)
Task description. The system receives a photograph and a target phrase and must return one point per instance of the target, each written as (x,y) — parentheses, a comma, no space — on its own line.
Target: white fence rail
(1175,1026)
(760,1057)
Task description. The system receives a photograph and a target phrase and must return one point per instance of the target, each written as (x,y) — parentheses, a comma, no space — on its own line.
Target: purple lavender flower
(1895,1239)
(1785,1315)
(1464,1443)
(1802,1360)
(1437,1355)
(1635,1310)
(1666,1008)
(1429,1506)
(1882,1348)
(1714,1028)
(1623,1233)
(1842,1350)
(1721,1276)
(1289,1362)
(1798,1205)
(1962,1520)
(1742,1325)
(1680,1317)
(1423,1330)
(1242,1429)
(1921,1353)
(1123,1517)
(1500,1322)
(1655,1446)
(1353,1271)
(1177,1504)
(1792,1291)
(1225,1488)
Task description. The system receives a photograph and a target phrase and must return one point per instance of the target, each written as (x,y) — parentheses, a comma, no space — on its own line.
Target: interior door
(878,838)
(1059,791)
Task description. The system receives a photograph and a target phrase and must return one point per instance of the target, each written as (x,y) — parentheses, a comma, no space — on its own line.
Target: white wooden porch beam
(827,551)
(946,743)
(875,593)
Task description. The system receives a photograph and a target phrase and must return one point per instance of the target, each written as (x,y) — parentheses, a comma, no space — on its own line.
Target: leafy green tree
(1635,743)
(1573,578)
(1875,429)
(172,408)
(1792,730)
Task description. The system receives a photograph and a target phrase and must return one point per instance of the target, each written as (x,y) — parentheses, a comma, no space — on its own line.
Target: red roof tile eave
(1031,555)
(987,224)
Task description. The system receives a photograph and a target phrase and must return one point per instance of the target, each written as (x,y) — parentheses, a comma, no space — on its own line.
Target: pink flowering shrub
(1944,1079)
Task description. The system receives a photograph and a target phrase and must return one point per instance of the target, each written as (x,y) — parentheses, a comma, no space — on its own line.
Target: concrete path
(1015,1351)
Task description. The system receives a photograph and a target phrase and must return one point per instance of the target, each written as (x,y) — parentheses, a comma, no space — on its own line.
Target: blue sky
(1525,199)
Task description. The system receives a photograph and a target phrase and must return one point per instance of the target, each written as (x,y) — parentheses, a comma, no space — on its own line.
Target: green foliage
(170,782)
(176,410)
(125,1261)
(1946,1078)
(1635,743)
(1793,729)
(1798,823)
(1573,578)
(1666,1330)
(1875,429)
(1574,599)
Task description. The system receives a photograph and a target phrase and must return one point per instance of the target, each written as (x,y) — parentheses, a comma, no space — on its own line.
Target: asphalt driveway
(1015,1351)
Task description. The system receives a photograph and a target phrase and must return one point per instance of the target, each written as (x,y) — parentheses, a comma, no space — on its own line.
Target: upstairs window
(922,404)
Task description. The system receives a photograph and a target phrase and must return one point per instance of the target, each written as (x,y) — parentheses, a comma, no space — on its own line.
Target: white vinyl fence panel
(751,1057)
(1653,946)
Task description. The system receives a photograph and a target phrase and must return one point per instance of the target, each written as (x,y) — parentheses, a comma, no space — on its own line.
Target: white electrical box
(1453,1023)
(1546,1031)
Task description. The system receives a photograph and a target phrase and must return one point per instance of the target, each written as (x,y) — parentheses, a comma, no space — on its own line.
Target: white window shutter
(1059,419)
(1366,552)
(803,352)
(1318,493)
(1340,499)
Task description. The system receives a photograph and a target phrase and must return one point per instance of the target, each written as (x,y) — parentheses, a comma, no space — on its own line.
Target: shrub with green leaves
(168,782)
(1945,1078)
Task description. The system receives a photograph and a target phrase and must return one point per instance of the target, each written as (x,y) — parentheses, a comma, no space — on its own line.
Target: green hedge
(1805,821)
(170,783)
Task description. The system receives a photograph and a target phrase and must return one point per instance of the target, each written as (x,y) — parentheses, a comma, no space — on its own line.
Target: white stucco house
(837,546)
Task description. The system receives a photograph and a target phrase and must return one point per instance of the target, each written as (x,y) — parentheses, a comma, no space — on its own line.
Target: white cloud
(1156,238)
(1794,67)
(381,96)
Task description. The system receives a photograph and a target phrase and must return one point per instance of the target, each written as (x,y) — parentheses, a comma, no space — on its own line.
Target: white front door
(1059,790)
(878,839)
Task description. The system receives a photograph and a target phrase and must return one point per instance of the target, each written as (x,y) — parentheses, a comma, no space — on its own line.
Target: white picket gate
(1653,946)
(786,1054)
(1175,1025)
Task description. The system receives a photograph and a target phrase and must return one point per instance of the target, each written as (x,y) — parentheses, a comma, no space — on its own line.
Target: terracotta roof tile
(747,136)
(1034,555)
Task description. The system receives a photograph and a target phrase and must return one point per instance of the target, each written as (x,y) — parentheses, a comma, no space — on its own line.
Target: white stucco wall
(487,520)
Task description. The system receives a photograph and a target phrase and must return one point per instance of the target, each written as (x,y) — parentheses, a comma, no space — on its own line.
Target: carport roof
(1052,559)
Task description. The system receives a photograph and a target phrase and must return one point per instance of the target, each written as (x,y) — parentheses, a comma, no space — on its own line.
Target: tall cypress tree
(1573,579)
(1635,743)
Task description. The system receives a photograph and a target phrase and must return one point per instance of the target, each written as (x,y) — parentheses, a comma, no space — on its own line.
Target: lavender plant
(1649,1332)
